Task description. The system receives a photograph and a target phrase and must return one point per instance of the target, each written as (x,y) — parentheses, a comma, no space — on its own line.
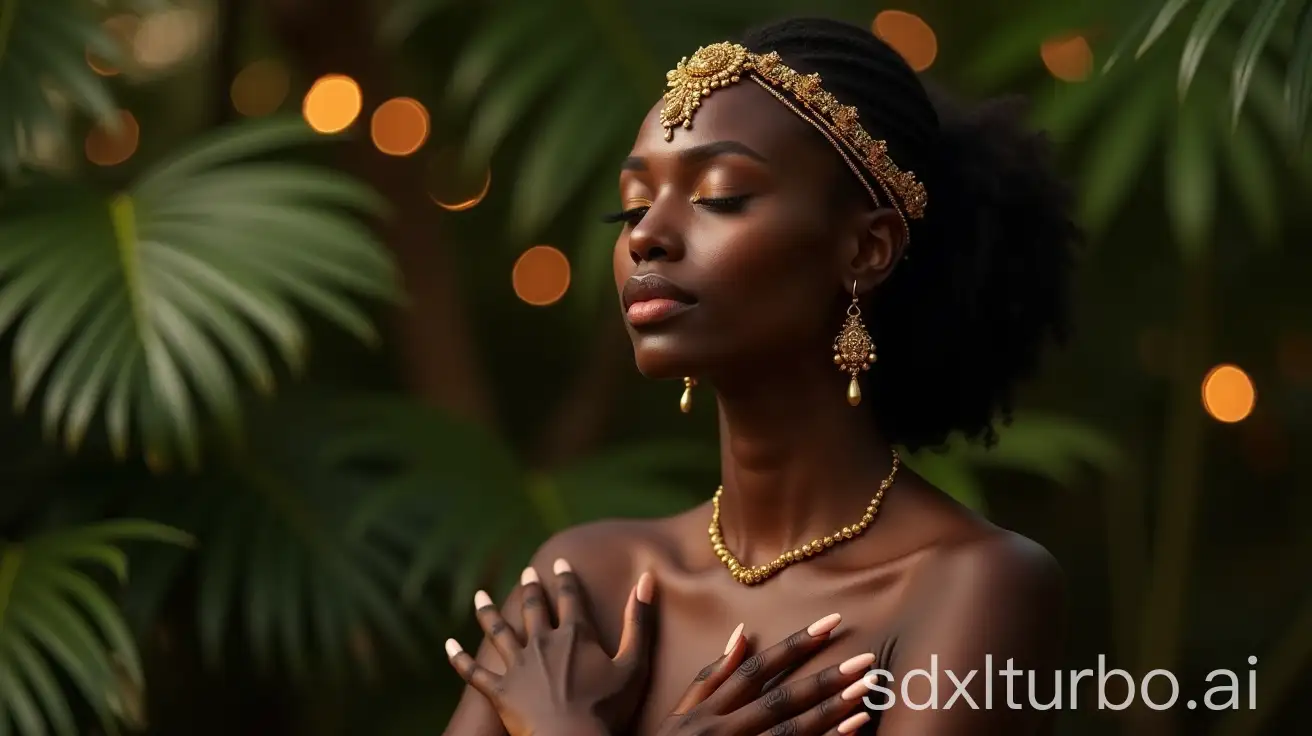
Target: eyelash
(724,205)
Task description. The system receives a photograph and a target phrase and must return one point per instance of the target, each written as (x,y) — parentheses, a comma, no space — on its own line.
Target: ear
(876,249)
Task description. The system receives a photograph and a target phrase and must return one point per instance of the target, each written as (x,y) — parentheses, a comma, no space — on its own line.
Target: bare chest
(694,628)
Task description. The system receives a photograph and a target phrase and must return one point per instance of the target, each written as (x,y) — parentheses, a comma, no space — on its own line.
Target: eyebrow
(699,154)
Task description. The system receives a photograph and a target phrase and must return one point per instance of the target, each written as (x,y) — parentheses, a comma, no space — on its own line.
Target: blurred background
(312,333)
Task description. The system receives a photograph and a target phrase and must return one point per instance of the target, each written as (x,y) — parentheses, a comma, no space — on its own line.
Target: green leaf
(1255,182)
(1160,24)
(561,162)
(1299,86)
(1251,46)
(46,42)
(1191,184)
(137,305)
(496,44)
(58,626)
(1205,25)
(511,98)
(306,530)
(404,16)
(1118,155)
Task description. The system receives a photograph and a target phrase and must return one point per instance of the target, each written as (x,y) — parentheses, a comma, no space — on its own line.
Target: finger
(478,677)
(822,718)
(749,680)
(713,675)
(817,698)
(569,596)
(636,636)
(536,618)
(495,626)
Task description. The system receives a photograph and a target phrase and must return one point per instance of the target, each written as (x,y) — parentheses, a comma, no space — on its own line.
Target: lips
(651,287)
(651,298)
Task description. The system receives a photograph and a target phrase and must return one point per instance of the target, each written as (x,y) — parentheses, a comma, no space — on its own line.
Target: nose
(653,240)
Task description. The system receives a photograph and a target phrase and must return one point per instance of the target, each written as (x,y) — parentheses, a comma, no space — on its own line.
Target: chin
(663,357)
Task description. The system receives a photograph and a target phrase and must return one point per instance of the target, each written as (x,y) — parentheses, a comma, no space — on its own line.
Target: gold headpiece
(721,64)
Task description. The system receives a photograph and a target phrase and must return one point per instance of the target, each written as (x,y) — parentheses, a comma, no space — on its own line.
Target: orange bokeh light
(399,126)
(452,183)
(260,88)
(910,35)
(1068,58)
(541,275)
(121,29)
(333,103)
(1228,394)
(104,148)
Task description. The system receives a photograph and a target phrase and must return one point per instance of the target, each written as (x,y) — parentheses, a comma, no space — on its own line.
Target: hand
(726,698)
(560,680)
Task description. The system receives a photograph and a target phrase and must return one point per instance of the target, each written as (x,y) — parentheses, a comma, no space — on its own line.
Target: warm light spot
(452,184)
(109,149)
(399,126)
(333,103)
(166,38)
(260,88)
(909,36)
(121,30)
(1068,58)
(541,275)
(1228,393)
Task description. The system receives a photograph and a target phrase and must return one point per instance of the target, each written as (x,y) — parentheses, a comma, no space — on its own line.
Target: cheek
(771,277)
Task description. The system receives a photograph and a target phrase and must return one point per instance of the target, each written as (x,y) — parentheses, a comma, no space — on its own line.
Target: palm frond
(133,305)
(308,528)
(57,624)
(43,47)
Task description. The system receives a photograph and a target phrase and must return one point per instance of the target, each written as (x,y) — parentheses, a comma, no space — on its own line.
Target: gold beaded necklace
(760,573)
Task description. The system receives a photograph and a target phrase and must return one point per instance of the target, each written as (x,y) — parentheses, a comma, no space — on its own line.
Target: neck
(797,461)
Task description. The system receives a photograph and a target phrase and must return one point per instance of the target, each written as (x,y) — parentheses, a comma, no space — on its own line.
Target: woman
(849,268)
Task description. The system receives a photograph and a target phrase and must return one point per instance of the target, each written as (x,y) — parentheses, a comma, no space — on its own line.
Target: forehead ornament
(721,64)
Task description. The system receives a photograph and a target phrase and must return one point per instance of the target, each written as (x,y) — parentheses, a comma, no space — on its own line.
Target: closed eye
(630,216)
(724,204)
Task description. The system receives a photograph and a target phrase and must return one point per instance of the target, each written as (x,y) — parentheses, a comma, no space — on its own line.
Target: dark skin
(771,274)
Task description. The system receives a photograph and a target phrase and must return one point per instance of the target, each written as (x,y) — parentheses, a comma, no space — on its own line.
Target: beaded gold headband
(721,64)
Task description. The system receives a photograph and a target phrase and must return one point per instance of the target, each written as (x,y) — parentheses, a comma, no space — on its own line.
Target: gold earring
(854,351)
(685,401)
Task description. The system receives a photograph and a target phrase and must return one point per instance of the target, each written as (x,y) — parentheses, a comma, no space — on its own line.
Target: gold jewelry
(685,401)
(854,351)
(720,64)
(760,573)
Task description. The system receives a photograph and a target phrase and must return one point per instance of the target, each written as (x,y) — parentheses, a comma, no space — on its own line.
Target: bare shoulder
(998,584)
(1000,561)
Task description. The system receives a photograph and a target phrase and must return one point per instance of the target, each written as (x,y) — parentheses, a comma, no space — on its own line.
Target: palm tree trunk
(1163,620)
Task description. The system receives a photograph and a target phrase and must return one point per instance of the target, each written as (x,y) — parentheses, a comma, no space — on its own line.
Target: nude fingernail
(857,663)
(853,723)
(561,567)
(481,600)
(824,625)
(733,639)
(854,690)
(646,586)
(453,648)
(528,576)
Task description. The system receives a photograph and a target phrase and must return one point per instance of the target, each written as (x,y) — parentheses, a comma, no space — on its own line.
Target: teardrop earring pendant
(685,401)
(854,350)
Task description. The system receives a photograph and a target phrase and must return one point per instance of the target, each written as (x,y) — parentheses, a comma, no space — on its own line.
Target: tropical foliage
(341,527)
